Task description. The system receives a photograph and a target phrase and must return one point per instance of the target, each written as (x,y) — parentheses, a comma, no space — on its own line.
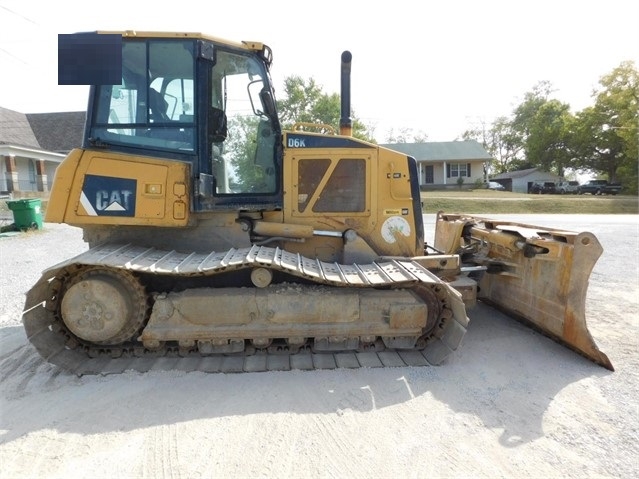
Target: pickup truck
(600,187)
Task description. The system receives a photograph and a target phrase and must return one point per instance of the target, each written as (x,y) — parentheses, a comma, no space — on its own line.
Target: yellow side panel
(61,188)
(115,189)
(383,217)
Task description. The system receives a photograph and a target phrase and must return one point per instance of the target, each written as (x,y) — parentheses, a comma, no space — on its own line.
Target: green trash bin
(27,213)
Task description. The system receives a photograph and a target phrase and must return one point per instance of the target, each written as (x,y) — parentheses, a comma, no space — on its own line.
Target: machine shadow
(505,375)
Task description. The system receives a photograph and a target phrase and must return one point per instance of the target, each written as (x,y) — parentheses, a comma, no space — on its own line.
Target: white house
(441,164)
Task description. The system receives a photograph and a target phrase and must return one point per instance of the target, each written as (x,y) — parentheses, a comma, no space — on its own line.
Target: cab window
(153,107)
(243,153)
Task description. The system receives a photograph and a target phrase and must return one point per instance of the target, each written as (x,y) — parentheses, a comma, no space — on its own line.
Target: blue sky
(436,67)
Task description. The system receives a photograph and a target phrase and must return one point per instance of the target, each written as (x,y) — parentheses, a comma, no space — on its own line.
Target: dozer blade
(537,275)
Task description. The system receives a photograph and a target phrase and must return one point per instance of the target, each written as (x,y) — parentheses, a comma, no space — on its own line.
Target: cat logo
(107,196)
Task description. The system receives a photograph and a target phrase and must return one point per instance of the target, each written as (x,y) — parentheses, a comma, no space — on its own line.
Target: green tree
(548,143)
(406,135)
(607,133)
(527,109)
(543,129)
(499,140)
(240,148)
(542,132)
(305,102)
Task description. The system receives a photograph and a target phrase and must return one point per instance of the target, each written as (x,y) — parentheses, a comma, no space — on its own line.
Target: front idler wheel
(104,306)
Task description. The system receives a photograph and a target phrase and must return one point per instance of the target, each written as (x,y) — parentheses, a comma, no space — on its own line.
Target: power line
(13,56)
(19,15)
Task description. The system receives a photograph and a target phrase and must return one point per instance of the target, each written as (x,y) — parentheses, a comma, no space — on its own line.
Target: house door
(429,177)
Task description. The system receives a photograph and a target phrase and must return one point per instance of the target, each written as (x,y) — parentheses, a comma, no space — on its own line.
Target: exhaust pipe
(345,122)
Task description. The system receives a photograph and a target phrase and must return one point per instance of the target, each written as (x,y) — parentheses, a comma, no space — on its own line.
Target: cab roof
(248,45)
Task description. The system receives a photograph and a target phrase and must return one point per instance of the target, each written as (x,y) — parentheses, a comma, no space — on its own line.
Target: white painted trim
(26,152)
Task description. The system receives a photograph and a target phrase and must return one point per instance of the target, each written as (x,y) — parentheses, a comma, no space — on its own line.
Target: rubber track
(47,334)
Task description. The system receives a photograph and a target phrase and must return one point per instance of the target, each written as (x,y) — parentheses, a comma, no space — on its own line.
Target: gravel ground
(509,403)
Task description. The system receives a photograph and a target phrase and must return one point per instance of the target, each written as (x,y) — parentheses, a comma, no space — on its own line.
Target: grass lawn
(496,202)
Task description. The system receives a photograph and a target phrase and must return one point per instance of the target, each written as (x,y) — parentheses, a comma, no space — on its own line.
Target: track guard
(536,275)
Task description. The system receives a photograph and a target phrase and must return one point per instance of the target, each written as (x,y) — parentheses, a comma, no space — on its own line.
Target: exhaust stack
(345,122)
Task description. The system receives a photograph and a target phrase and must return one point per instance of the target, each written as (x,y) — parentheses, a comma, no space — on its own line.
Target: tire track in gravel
(18,362)
(161,458)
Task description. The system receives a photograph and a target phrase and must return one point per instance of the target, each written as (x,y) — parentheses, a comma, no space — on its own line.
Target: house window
(457,170)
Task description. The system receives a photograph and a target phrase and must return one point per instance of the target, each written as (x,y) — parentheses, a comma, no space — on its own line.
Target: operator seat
(158,107)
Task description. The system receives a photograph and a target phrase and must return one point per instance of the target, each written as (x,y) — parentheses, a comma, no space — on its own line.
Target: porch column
(445,168)
(41,176)
(11,173)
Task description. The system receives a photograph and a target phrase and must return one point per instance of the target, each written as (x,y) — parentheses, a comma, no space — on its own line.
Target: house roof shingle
(515,174)
(16,130)
(442,150)
(58,132)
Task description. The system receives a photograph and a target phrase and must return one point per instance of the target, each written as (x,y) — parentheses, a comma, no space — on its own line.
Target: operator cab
(198,100)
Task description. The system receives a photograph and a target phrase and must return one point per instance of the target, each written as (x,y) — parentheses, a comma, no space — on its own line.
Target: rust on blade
(534,274)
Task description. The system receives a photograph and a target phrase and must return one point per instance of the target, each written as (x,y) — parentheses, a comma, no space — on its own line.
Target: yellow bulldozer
(219,242)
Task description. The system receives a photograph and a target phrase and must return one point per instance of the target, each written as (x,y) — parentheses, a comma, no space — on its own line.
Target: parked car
(568,187)
(600,187)
(542,187)
(493,185)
